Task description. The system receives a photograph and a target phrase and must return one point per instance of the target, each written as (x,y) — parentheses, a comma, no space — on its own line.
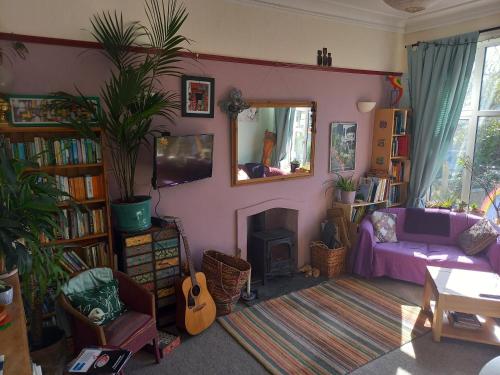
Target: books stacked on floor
(395,194)
(399,122)
(372,188)
(62,151)
(82,187)
(96,360)
(463,320)
(91,256)
(399,146)
(81,223)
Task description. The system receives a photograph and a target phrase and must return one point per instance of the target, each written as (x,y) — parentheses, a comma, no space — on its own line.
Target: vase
(134,216)
(347,197)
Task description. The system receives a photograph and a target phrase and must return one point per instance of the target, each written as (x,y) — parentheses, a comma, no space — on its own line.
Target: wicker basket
(226,275)
(330,262)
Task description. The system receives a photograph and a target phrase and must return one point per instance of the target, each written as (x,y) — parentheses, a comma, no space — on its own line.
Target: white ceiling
(378,15)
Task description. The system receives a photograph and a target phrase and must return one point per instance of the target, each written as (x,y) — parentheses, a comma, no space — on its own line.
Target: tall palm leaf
(141,54)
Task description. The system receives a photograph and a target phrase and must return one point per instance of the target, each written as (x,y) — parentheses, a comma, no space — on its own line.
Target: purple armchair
(406,259)
(131,331)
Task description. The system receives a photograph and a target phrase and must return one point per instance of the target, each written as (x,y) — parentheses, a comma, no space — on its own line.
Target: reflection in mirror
(273,141)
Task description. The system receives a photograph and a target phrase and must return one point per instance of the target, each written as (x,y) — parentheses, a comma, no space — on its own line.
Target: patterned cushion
(101,305)
(478,237)
(384,226)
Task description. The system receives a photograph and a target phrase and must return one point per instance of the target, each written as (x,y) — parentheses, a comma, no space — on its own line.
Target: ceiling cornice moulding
(390,20)
(333,11)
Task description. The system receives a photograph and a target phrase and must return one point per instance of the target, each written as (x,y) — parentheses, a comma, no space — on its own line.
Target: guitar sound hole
(195,290)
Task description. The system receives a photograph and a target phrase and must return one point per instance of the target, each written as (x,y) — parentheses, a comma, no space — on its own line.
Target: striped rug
(332,328)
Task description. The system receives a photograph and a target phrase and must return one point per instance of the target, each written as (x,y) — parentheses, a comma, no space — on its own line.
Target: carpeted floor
(216,352)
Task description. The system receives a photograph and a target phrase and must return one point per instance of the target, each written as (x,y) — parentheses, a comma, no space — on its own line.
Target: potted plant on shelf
(141,55)
(28,214)
(347,189)
(294,164)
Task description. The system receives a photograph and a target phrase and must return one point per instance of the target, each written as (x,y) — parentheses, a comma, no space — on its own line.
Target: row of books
(398,171)
(82,187)
(81,223)
(395,194)
(358,213)
(463,320)
(399,146)
(399,122)
(62,151)
(372,189)
(92,256)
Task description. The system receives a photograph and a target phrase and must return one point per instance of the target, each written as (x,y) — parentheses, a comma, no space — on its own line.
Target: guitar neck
(187,250)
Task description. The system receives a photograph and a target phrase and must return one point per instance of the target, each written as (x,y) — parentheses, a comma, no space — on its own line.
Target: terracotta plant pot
(347,197)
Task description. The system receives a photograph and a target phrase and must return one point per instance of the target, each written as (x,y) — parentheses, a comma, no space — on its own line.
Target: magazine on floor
(100,361)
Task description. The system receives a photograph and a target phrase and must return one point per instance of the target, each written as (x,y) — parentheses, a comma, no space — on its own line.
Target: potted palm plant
(140,55)
(28,217)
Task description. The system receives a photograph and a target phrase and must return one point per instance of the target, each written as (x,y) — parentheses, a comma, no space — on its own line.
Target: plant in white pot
(347,189)
(140,55)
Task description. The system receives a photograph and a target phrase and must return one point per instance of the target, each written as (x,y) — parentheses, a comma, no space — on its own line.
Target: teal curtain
(438,75)
(283,118)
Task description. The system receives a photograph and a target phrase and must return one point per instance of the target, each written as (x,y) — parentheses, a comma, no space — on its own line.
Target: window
(478,133)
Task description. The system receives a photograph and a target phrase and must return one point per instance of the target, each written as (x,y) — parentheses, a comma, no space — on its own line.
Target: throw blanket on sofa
(420,221)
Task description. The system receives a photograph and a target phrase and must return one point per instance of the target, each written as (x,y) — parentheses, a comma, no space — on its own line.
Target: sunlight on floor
(401,371)
(408,350)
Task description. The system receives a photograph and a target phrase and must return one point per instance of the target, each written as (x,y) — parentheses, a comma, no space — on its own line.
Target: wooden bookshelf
(390,151)
(28,134)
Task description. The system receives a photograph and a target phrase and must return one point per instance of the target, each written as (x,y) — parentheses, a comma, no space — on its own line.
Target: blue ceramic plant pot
(132,217)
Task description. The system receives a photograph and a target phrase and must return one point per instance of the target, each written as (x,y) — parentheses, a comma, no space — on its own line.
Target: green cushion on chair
(101,305)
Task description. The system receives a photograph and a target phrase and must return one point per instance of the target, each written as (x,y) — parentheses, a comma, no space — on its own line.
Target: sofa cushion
(478,237)
(449,256)
(422,221)
(119,331)
(384,225)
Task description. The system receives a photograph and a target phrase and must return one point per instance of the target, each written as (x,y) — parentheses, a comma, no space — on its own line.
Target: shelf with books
(390,151)
(355,212)
(78,165)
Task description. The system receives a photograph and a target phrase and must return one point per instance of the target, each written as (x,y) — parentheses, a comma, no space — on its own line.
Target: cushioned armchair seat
(132,330)
(406,259)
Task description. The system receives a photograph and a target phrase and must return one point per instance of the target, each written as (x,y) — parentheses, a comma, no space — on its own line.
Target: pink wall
(208,207)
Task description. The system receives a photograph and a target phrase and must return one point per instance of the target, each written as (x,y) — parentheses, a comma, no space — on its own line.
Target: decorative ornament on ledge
(4,109)
(234,104)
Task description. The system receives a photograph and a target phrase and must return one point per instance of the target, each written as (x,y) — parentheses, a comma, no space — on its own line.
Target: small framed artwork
(39,110)
(197,96)
(342,146)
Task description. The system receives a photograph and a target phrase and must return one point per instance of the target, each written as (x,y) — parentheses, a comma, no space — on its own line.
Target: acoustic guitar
(195,306)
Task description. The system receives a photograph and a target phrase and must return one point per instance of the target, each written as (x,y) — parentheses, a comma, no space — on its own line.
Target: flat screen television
(181,159)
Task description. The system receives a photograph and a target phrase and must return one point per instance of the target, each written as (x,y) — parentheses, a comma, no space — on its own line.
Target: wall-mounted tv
(181,159)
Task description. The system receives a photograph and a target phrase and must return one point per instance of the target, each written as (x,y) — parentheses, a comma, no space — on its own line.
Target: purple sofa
(406,259)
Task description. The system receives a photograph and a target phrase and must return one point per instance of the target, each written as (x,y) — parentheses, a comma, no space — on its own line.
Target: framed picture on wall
(197,96)
(40,110)
(342,146)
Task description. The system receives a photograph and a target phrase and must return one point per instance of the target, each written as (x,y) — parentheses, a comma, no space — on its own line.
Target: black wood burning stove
(272,253)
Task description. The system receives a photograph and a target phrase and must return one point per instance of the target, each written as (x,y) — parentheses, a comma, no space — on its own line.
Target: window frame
(474,113)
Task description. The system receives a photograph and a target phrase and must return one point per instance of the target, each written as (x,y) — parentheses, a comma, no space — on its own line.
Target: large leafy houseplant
(28,219)
(141,55)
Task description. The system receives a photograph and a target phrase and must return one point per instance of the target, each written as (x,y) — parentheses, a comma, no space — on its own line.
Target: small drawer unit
(153,259)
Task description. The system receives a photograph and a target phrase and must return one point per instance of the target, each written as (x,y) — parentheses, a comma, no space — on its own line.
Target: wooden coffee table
(459,290)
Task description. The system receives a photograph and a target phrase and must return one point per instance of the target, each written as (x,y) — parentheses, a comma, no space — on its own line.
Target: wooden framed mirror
(273,141)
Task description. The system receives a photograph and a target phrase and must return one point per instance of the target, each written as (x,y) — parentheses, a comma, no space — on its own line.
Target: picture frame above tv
(197,96)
